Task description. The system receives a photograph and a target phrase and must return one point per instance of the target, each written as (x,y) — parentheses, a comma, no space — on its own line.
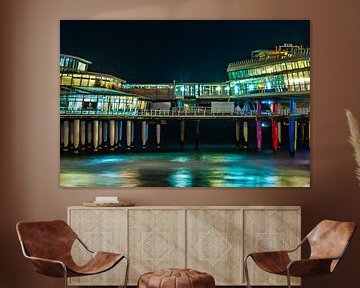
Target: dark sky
(163,51)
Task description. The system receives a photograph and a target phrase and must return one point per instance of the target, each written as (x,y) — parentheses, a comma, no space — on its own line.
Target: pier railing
(199,112)
(209,112)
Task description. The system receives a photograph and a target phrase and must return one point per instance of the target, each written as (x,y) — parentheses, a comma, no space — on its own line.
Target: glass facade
(73,72)
(290,74)
(100,104)
(195,90)
(289,81)
(72,63)
(84,92)
(90,79)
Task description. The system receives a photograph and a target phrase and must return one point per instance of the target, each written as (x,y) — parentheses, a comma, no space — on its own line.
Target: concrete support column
(95,135)
(197,133)
(71,132)
(83,134)
(100,134)
(279,134)
(128,134)
(132,133)
(89,134)
(76,135)
(258,129)
(182,133)
(105,134)
(120,133)
(309,132)
(275,135)
(66,135)
(237,132)
(246,134)
(295,135)
(158,135)
(116,133)
(112,134)
(275,128)
(301,134)
(61,135)
(144,134)
(292,127)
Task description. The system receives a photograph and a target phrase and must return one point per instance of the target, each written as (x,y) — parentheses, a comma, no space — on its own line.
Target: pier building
(90,95)
(272,88)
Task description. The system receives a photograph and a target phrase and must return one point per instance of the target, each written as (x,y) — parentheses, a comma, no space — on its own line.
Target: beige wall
(30,119)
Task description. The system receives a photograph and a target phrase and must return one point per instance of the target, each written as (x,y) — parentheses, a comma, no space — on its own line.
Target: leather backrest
(329,238)
(46,239)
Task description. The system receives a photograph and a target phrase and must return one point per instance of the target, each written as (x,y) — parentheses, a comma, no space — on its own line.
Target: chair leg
(126,271)
(246,270)
(65,276)
(288,278)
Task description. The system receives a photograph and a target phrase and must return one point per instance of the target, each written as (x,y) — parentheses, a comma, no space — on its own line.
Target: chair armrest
(48,267)
(281,251)
(309,267)
(268,253)
(46,260)
(271,261)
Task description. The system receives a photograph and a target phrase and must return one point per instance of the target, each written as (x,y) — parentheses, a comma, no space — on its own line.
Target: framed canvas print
(182,103)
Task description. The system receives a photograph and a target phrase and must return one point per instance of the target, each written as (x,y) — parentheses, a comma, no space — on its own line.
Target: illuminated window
(85,82)
(66,80)
(76,81)
(81,66)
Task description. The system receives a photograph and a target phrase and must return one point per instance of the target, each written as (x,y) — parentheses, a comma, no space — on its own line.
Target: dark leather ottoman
(176,278)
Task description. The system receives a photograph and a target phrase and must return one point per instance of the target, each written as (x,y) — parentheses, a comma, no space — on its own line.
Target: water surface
(193,168)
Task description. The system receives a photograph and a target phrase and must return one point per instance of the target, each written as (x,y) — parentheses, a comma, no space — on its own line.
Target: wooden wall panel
(270,230)
(214,241)
(156,240)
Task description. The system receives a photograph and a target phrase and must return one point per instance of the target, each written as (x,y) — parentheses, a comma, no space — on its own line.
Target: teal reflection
(187,169)
(181,177)
(181,159)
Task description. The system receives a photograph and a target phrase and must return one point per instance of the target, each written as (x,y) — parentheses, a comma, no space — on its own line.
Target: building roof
(77,58)
(66,90)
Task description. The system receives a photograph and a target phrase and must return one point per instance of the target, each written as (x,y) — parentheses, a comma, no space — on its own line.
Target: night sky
(163,51)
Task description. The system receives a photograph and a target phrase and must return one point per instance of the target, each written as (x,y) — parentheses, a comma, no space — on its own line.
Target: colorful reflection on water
(195,168)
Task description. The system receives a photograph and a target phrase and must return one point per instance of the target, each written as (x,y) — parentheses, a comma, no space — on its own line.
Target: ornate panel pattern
(267,230)
(156,240)
(214,242)
(101,230)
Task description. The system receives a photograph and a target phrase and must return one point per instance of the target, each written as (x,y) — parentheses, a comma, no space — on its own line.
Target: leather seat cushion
(176,278)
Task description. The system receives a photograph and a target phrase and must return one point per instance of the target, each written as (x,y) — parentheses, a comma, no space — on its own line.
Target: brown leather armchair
(328,242)
(48,245)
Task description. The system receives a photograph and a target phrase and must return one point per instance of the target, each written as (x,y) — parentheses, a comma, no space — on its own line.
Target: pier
(82,132)
(100,112)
